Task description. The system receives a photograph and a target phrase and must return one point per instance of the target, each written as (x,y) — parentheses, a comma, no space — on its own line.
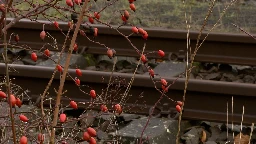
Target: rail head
(154,32)
(140,80)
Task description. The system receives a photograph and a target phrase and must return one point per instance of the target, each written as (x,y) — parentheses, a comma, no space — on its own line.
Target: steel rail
(205,100)
(218,47)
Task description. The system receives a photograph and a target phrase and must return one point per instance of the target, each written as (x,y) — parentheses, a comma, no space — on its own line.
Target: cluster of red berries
(89,135)
(14,100)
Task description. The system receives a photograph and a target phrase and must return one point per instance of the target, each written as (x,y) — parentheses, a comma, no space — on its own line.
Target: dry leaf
(244,139)
(203,136)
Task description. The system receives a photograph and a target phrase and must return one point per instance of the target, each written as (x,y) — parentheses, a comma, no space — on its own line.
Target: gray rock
(125,62)
(128,117)
(88,118)
(169,69)
(229,77)
(104,60)
(213,76)
(249,79)
(76,60)
(210,142)
(158,131)
(222,136)
(18,62)
(192,136)
(91,68)
(215,132)
(102,135)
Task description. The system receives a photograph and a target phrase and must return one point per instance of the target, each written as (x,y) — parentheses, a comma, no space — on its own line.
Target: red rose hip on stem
(23,140)
(78,72)
(91,132)
(23,118)
(178,108)
(92,141)
(63,117)
(161,53)
(47,52)
(34,56)
(86,136)
(93,93)
(42,35)
(18,102)
(135,30)
(2,94)
(73,104)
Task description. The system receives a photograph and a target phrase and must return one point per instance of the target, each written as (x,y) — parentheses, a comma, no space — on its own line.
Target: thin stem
(63,77)
(8,80)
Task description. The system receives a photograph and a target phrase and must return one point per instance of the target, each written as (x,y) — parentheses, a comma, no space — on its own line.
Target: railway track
(205,100)
(218,48)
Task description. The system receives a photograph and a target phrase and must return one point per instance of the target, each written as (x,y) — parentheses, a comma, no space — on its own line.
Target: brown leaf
(203,136)
(244,139)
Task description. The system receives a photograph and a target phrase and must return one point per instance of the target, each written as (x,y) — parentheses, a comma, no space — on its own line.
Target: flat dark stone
(158,131)
(169,69)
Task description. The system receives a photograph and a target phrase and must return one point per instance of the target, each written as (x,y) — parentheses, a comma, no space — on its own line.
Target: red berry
(91,20)
(95,32)
(13,100)
(93,93)
(143,58)
(151,73)
(165,89)
(78,72)
(59,68)
(77,82)
(23,118)
(42,35)
(2,94)
(70,25)
(82,33)
(132,6)
(34,56)
(69,3)
(118,108)
(179,103)
(40,138)
(75,47)
(161,53)
(78,2)
(131,1)
(141,31)
(135,30)
(47,52)
(73,104)
(86,136)
(110,53)
(163,82)
(17,38)
(92,141)
(23,140)
(103,108)
(96,15)
(63,117)
(126,14)
(123,18)
(178,108)
(56,24)
(18,102)
(145,35)
(91,132)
